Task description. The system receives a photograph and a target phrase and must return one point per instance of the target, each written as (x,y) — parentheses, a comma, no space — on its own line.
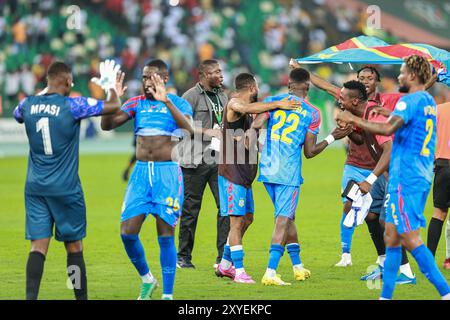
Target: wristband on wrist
(371,178)
(329,139)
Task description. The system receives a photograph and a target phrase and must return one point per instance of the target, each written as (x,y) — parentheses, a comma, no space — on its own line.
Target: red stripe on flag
(349,44)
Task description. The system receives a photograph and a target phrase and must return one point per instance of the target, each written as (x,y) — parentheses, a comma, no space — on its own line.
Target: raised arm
(241,107)
(159,93)
(318,82)
(112,116)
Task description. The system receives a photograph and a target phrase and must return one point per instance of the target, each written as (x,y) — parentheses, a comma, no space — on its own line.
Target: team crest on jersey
(92,102)
(401,106)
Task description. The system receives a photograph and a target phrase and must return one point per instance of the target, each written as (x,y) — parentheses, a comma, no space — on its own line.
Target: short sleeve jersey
(281,158)
(153,118)
(52,124)
(412,156)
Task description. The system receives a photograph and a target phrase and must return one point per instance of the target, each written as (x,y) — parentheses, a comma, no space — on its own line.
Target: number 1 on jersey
(42,125)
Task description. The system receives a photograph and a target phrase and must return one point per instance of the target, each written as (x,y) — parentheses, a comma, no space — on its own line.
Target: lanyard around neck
(216,109)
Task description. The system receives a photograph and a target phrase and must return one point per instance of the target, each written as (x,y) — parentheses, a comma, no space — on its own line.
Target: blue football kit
(53,193)
(281,159)
(155,187)
(411,164)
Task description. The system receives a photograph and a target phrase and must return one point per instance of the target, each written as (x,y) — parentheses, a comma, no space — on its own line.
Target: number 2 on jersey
(293,119)
(429,128)
(42,125)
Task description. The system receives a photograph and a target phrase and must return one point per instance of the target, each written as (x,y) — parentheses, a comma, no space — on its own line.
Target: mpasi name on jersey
(45,108)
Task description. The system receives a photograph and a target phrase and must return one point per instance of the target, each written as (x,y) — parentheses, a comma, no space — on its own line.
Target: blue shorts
(154,188)
(235,200)
(378,193)
(406,210)
(67,213)
(284,199)
(353,173)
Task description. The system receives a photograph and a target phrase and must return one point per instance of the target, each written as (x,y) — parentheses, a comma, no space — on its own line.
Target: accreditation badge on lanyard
(218,109)
(215,142)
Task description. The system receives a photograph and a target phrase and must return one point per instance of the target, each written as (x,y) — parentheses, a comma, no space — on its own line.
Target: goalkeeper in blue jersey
(156,183)
(53,194)
(280,168)
(410,173)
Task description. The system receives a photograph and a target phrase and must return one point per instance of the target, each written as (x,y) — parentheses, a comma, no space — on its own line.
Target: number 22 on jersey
(293,119)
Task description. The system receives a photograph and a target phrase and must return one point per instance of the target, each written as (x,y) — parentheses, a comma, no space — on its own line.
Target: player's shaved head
(244,81)
(299,81)
(356,89)
(158,64)
(59,78)
(299,75)
(57,69)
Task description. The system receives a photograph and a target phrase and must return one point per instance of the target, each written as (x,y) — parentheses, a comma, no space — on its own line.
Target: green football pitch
(112,276)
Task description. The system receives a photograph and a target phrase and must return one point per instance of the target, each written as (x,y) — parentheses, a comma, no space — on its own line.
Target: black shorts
(441,187)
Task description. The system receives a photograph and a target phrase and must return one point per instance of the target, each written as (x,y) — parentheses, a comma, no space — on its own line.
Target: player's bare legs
(233,250)
(293,249)
(129,230)
(76,268)
(411,241)
(35,267)
(167,256)
(279,237)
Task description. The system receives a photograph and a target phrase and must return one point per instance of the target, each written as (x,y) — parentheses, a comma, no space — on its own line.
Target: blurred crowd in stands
(259,36)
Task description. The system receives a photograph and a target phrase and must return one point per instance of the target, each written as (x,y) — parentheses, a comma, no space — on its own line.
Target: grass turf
(112,276)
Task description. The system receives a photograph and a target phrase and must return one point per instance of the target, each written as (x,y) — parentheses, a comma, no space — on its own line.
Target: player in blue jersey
(280,168)
(156,184)
(53,193)
(411,170)
(238,168)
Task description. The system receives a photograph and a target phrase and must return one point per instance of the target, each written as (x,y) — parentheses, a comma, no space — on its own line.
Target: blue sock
(237,255)
(391,266)
(168,260)
(135,251)
(226,253)
(294,252)
(276,252)
(346,236)
(428,266)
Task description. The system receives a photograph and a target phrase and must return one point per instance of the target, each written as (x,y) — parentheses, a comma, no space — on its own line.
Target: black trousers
(195,181)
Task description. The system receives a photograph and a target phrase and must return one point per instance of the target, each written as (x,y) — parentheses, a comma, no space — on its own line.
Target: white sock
(271,272)
(381,260)
(297,267)
(381,298)
(225,264)
(447,238)
(406,270)
(168,296)
(446,297)
(239,271)
(148,278)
